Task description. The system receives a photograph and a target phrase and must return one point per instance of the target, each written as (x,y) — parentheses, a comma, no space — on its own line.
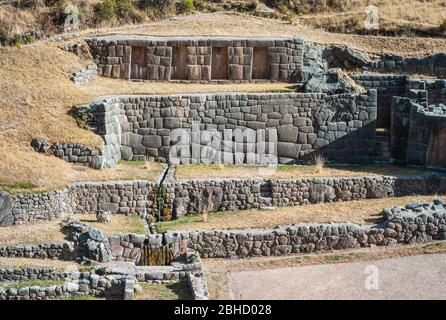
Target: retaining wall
(140,127)
(118,197)
(196,58)
(241,194)
(406,227)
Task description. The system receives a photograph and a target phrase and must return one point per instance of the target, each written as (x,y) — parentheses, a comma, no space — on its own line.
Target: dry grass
(40,94)
(231,24)
(218,271)
(119,224)
(51,231)
(199,171)
(38,263)
(39,97)
(32,233)
(362,212)
(177,290)
(394,15)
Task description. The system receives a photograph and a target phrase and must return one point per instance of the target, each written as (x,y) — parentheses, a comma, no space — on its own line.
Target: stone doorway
(260,64)
(436,156)
(179,63)
(139,63)
(219,63)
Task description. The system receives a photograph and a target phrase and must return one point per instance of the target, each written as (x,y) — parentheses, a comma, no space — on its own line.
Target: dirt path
(414,277)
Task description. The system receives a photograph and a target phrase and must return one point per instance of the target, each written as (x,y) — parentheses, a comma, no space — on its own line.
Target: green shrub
(442,27)
(106,10)
(185,6)
(125,9)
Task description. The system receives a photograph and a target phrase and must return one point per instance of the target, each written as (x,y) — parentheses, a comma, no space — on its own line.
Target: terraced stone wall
(342,127)
(241,194)
(196,58)
(425,223)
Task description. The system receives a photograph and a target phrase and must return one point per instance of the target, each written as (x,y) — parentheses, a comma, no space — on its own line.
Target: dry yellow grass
(39,96)
(51,231)
(32,233)
(362,212)
(218,271)
(236,24)
(393,14)
(37,93)
(119,224)
(38,263)
(288,172)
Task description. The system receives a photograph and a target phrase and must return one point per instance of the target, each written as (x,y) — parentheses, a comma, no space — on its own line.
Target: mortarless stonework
(340,126)
(134,197)
(425,223)
(157,58)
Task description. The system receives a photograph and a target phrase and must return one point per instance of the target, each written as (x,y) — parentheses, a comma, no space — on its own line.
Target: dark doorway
(436,156)
(139,63)
(219,63)
(260,64)
(179,63)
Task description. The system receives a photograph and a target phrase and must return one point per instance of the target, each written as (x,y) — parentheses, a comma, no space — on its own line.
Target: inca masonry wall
(192,58)
(136,197)
(425,223)
(341,126)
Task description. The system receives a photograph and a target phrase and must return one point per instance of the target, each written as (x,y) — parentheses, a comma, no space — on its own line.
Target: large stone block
(287,133)
(288,150)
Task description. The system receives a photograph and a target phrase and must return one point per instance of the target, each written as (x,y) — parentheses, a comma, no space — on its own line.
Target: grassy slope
(36,92)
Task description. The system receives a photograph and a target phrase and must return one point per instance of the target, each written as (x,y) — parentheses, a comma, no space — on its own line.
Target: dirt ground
(396,278)
(218,271)
(289,172)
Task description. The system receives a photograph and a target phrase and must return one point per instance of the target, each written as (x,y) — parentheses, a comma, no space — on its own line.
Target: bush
(185,6)
(5,31)
(125,9)
(442,27)
(106,10)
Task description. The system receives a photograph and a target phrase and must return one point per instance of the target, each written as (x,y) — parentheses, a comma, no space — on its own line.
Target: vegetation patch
(170,291)
(35,282)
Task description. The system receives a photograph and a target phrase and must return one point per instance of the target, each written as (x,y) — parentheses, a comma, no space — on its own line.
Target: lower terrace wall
(119,197)
(241,194)
(342,127)
(134,197)
(406,228)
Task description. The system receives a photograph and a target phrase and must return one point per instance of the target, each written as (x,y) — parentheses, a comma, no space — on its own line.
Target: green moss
(35,282)
(132,163)
(171,291)
(183,220)
(87,297)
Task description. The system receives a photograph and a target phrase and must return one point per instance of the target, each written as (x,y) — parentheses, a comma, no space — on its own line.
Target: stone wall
(118,197)
(433,65)
(57,250)
(341,126)
(422,124)
(25,274)
(84,76)
(426,223)
(85,283)
(126,247)
(156,58)
(387,86)
(241,194)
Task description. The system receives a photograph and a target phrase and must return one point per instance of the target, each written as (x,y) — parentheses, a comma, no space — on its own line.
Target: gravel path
(415,277)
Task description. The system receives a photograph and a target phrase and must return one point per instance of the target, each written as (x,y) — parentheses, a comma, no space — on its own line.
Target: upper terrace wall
(196,58)
(341,126)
